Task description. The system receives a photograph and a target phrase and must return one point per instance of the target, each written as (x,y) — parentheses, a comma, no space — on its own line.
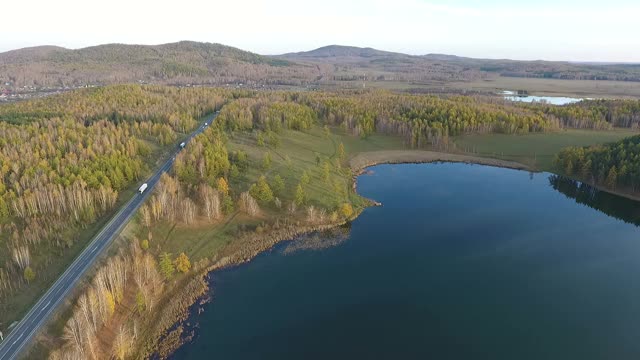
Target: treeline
(423,119)
(175,107)
(64,160)
(595,114)
(130,283)
(266,112)
(614,165)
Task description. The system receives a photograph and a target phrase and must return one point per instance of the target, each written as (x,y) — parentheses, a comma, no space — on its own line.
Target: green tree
(144,244)
(326,132)
(300,196)
(341,152)
(140,303)
(277,185)
(166,266)
(234,172)
(29,274)
(612,178)
(227,204)
(260,139)
(326,171)
(266,161)
(305,178)
(261,190)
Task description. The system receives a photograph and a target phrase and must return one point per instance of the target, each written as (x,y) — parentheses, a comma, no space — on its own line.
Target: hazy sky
(585,30)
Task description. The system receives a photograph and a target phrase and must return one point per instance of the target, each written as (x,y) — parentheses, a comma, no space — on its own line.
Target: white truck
(182,145)
(143,187)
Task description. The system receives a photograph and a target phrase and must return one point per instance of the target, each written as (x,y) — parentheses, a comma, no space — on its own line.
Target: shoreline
(251,245)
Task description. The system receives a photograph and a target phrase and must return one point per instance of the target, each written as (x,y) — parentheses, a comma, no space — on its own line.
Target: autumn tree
(182,263)
(223,186)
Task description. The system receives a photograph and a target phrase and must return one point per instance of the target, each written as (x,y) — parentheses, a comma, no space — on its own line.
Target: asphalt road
(21,335)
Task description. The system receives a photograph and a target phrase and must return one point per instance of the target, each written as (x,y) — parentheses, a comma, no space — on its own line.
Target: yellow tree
(182,263)
(223,186)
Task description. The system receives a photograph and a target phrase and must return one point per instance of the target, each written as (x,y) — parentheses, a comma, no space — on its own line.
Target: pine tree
(261,190)
(277,184)
(300,195)
(166,266)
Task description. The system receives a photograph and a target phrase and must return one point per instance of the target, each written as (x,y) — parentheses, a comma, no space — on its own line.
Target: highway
(22,334)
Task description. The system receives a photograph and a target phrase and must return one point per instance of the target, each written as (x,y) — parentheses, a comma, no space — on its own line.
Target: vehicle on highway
(142,188)
(205,124)
(182,145)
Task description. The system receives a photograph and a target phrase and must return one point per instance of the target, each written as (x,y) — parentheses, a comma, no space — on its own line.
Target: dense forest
(65,159)
(423,119)
(615,165)
(595,114)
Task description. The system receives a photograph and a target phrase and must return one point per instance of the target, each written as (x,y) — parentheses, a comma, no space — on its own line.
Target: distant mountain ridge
(198,63)
(335,51)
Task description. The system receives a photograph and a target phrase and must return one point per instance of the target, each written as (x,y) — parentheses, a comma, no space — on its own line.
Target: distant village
(9,92)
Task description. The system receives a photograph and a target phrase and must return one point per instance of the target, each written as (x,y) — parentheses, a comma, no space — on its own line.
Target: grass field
(535,150)
(298,152)
(548,87)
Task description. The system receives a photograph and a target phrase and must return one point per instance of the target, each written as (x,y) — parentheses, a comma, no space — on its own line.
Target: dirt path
(366,159)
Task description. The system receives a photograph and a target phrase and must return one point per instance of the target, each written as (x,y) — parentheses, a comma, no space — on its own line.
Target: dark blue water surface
(461,262)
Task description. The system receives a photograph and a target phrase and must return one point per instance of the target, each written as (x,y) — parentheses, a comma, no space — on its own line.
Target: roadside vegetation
(66,162)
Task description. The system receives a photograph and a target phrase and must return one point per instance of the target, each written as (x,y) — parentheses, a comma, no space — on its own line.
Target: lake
(461,262)
(553,100)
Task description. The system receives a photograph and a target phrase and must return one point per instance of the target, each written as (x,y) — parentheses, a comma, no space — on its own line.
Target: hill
(45,69)
(352,62)
(184,62)
(340,51)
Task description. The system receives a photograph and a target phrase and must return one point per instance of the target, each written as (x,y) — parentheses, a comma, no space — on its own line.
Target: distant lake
(553,100)
(461,262)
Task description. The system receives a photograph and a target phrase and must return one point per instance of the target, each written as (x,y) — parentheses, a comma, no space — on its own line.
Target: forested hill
(184,62)
(398,66)
(188,62)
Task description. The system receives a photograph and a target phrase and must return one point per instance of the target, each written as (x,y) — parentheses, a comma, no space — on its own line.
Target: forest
(64,161)
(271,159)
(615,165)
(595,114)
